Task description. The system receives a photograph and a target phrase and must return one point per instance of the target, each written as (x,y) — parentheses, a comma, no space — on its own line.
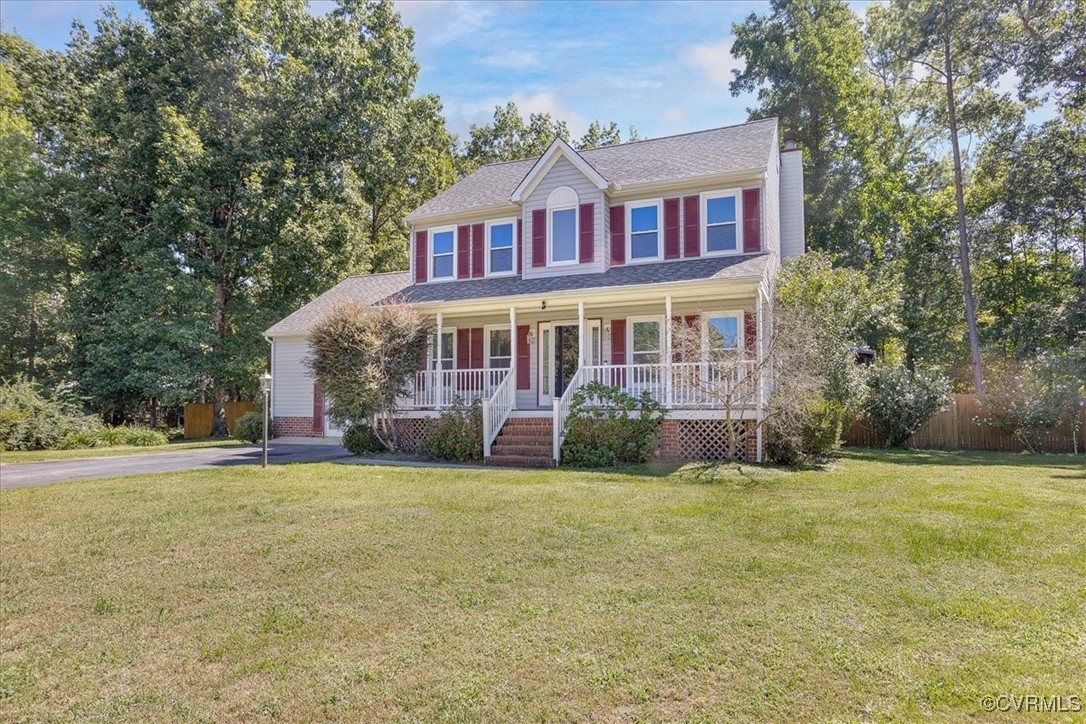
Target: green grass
(39,456)
(886,587)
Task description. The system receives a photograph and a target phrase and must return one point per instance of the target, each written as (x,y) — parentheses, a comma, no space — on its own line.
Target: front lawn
(887,587)
(39,456)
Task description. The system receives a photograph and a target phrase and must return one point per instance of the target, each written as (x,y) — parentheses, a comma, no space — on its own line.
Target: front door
(558,356)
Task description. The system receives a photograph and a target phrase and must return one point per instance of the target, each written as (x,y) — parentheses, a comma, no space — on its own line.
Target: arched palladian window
(562,226)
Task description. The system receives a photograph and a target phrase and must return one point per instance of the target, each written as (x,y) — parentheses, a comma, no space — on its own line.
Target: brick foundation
(296,427)
(691,440)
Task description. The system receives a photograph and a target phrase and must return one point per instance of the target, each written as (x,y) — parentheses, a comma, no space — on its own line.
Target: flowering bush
(900,400)
(1028,399)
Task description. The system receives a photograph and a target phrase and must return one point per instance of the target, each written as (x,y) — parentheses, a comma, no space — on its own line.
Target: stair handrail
(561,412)
(496,410)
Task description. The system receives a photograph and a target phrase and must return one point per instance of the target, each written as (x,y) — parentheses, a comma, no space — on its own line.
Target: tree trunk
(963,238)
(152,421)
(218,322)
(32,338)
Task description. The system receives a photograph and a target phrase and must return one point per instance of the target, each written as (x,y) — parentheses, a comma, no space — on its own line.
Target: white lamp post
(265,388)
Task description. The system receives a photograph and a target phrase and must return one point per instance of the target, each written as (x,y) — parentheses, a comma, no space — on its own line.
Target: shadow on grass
(967,457)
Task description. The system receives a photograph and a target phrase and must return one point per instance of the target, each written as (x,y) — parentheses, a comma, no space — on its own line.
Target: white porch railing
(561,411)
(439,388)
(496,410)
(684,385)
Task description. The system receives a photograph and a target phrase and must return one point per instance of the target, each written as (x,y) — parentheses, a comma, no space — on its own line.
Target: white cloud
(714,60)
(548,102)
(676,115)
(438,22)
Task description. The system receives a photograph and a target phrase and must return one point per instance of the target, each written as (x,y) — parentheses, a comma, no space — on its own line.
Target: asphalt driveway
(18,475)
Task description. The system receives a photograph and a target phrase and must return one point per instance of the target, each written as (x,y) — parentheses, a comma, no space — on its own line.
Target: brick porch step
(537,450)
(524,442)
(518,438)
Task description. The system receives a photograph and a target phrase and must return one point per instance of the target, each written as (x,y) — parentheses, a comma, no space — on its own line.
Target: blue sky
(661,67)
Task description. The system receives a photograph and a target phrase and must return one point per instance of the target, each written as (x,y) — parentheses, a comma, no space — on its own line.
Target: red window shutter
(588,233)
(671,228)
(691,227)
(539,237)
(422,262)
(318,409)
(463,252)
(618,352)
(520,248)
(463,349)
(524,358)
(752,220)
(478,231)
(750,331)
(476,348)
(618,341)
(618,235)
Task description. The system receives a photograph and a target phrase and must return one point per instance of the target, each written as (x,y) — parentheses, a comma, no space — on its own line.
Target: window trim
(512,222)
(706,196)
(430,254)
(487,329)
(741,334)
(432,359)
(630,206)
(660,340)
(576,207)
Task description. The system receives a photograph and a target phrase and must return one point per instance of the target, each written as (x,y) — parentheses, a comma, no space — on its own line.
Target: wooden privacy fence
(199,416)
(956,428)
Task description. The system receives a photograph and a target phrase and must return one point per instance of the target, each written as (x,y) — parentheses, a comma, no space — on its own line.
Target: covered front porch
(699,355)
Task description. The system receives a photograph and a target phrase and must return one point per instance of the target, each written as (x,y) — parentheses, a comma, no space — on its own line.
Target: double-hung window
(645,340)
(442,355)
(724,331)
(643,223)
(499,247)
(499,349)
(562,226)
(442,253)
(720,230)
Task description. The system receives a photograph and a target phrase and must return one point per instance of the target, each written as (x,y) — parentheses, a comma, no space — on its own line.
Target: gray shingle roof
(731,149)
(687,270)
(365,290)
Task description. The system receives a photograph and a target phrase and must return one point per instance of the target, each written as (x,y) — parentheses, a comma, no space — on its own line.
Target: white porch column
(437,367)
(580,335)
(667,350)
(513,350)
(759,353)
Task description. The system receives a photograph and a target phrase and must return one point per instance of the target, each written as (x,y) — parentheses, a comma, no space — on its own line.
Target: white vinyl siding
(292,385)
(564,173)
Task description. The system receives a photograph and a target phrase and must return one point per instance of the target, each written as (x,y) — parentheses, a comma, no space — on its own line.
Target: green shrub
(900,401)
(456,435)
(34,421)
(124,435)
(607,426)
(359,439)
(801,432)
(250,427)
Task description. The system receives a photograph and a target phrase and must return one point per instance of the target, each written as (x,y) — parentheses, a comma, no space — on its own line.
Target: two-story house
(543,274)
